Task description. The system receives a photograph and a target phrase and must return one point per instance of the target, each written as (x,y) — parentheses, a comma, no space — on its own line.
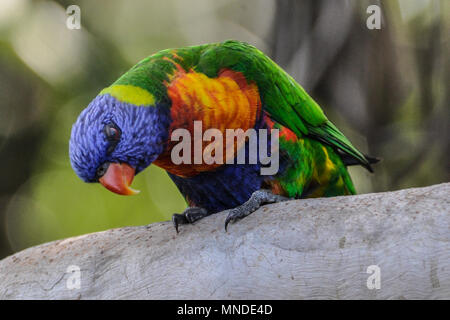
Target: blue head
(111,141)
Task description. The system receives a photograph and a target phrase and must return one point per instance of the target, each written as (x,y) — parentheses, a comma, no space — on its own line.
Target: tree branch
(301,249)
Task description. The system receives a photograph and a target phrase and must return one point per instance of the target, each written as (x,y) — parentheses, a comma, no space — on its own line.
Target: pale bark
(302,249)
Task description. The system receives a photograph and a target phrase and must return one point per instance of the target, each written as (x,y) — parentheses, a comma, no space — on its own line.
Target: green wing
(283,98)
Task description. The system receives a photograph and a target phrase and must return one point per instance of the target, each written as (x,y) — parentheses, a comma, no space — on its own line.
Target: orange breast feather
(225,102)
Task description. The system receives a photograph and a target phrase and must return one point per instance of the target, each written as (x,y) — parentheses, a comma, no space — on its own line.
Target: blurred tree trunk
(387,85)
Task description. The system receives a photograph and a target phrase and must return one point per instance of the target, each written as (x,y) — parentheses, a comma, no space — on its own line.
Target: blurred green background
(387,90)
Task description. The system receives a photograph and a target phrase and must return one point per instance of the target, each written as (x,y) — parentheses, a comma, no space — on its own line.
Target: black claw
(175,224)
(177,219)
(190,215)
(232,217)
(227,221)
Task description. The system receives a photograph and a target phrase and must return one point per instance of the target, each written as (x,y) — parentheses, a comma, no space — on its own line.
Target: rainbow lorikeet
(229,85)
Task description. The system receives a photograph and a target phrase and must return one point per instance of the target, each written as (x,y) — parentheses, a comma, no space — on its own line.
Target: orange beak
(118,179)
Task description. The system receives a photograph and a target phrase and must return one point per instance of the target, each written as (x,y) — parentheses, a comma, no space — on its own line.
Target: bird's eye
(112,132)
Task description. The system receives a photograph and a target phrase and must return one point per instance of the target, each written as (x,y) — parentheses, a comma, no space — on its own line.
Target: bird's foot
(257,199)
(189,215)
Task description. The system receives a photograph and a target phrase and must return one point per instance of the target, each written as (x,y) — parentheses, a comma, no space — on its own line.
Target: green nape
(154,72)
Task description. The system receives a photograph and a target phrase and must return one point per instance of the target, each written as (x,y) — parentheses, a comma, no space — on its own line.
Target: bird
(230,85)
